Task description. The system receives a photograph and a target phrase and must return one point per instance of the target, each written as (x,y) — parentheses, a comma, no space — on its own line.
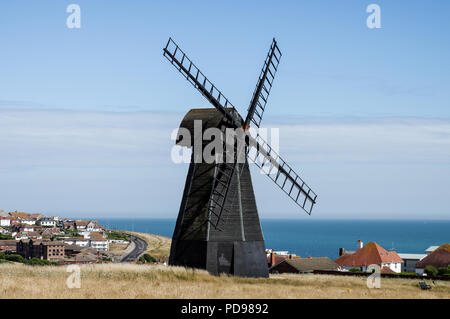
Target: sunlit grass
(158,281)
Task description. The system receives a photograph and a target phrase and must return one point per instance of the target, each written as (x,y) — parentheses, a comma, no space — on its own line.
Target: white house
(88,226)
(100,244)
(371,254)
(79,241)
(28,221)
(47,222)
(5,221)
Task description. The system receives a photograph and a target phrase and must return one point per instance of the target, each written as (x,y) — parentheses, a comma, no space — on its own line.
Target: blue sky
(86,114)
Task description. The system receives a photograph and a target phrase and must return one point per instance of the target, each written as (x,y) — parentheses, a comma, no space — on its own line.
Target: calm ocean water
(319,238)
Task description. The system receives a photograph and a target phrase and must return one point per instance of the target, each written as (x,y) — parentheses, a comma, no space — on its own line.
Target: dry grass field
(157,281)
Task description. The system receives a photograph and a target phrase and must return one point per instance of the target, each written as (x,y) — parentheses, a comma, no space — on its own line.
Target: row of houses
(23,226)
(361,259)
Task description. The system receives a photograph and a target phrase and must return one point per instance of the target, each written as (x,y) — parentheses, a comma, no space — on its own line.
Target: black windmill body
(218,227)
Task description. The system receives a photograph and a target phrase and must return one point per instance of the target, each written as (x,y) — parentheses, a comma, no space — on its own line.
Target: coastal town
(66,241)
(60,240)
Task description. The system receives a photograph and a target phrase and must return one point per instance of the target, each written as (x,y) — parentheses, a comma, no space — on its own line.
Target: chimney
(359,245)
(341,251)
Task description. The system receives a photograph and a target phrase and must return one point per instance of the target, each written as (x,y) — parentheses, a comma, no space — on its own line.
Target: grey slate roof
(310,264)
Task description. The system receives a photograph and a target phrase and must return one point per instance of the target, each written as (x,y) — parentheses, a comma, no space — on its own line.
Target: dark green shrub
(444,271)
(38,262)
(117,236)
(15,258)
(354,270)
(431,270)
(2,255)
(150,259)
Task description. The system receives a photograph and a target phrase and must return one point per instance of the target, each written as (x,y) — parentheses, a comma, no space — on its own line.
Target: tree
(430,270)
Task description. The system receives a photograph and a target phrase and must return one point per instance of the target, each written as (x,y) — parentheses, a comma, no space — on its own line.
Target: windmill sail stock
(258,151)
(263,86)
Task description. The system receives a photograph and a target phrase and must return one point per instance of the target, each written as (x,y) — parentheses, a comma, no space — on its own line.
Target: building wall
(409,265)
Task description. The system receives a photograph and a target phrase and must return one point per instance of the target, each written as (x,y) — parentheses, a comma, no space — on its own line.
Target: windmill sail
(263,86)
(259,151)
(281,173)
(188,69)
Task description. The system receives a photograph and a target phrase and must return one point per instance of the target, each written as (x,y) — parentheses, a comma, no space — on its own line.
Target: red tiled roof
(438,258)
(372,253)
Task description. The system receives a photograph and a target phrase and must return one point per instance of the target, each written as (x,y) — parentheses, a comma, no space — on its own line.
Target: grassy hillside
(148,281)
(157,246)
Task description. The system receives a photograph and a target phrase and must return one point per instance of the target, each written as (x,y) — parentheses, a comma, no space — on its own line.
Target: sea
(322,238)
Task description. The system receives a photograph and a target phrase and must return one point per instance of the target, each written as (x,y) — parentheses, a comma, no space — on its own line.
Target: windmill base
(237,246)
(239,258)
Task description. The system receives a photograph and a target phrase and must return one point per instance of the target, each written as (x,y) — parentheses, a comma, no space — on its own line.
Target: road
(140,246)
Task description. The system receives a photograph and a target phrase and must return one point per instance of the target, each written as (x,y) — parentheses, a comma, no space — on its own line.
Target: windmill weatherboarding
(218,227)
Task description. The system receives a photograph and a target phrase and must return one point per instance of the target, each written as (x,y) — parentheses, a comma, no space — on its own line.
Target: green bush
(354,270)
(5,237)
(407,273)
(38,262)
(2,255)
(444,271)
(16,258)
(431,270)
(149,259)
(115,235)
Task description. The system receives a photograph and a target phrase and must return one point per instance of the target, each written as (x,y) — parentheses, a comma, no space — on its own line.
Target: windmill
(218,227)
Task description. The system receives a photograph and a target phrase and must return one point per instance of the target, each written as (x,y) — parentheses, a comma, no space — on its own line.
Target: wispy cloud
(110,163)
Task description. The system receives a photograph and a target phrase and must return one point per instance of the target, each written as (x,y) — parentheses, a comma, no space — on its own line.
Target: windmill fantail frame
(218,227)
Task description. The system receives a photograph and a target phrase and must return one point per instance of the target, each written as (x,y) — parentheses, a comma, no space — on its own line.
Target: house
(440,257)
(99,244)
(430,249)
(35,216)
(20,235)
(79,241)
(28,221)
(72,250)
(48,222)
(50,232)
(3,213)
(370,254)
(48,250)
(304,265)
(410,261)
(69,225)
(85,258)
(8,245)
(95,235)
(27,235)
(3,231)
(26,228)
(5,221)
(19,215)
(89,226)
(274,257)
